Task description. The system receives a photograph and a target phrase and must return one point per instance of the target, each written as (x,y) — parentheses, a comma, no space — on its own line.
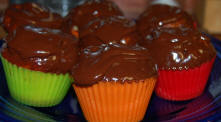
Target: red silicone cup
(179,85)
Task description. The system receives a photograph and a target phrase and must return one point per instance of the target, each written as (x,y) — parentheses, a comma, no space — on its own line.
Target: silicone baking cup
(179,85)
(35,88)
(115,101)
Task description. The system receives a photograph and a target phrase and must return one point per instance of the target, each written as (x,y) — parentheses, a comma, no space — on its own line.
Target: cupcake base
(114,101)
(183,85)
(35,88)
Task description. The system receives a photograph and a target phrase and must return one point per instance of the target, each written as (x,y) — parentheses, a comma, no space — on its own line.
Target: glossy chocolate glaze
(113,62)
(164,16)
(107,56)
(109,29)
(175,49)
(41,49)
(90,10)
(30,14)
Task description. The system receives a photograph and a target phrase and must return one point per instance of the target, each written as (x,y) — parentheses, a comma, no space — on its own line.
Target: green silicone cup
(35,88)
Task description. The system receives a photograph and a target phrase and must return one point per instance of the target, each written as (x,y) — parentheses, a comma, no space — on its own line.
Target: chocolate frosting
(30,14)
(111,53)
(113,62)
(164,16)
(90,10)
(109,29)
(177,49)
(41,49)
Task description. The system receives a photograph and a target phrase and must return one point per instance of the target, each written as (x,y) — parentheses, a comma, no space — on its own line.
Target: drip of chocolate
(41,49)
(30,14)
(175,49)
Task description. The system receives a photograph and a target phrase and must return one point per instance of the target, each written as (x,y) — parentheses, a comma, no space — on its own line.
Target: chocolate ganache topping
(41,49)
(90,10)
(112,62)
(30,14)
(107,56)
(109,29)
(177,49)
(164,16)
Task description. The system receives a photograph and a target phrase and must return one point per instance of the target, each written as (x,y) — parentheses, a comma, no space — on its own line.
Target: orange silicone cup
(114,101)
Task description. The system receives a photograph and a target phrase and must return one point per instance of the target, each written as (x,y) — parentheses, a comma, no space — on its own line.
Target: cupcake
(114,79)
(184,60)
(30,14)
(160,16)
(37,63)
(88,11)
